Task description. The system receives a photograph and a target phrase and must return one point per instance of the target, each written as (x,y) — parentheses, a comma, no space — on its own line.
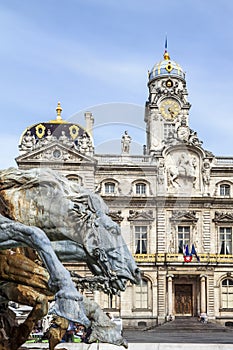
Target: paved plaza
(181,334)
(183,330)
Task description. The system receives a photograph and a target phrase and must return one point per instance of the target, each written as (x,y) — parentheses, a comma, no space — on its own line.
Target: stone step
(191,324)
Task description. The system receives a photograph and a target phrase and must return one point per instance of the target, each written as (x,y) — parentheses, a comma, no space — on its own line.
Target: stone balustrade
(178,258)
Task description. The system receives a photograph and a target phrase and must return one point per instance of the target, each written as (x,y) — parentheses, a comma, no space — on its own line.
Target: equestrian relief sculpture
(61,221)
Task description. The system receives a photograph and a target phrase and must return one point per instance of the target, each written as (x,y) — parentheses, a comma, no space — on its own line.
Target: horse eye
(114,231)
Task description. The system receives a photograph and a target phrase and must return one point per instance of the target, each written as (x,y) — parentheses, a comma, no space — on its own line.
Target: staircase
(191,325)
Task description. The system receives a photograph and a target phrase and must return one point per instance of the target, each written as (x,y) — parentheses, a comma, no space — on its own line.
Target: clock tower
(167,107)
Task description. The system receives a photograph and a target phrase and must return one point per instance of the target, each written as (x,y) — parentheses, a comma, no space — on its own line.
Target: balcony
(167,258)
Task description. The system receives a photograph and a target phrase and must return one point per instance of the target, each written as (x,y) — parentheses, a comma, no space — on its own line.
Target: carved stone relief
(166,87)
(206,169)
(182,169)
(55,153)
(222,217)
(140,215)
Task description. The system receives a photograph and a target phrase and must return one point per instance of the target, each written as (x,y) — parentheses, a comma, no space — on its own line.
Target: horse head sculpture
(39,206)
(74,218)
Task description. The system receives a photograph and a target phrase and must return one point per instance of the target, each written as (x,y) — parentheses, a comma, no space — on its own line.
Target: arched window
(227,294)
(140,188)
(142,295)
(109,187)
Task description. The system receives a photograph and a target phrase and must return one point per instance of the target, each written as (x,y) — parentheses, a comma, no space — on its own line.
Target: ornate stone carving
(165,88)
(28,142)
(55,153)
(187,216)
(183,169)
(85,144)
(206,169)
(142,215)
(223,217)
(116,216)
(65,140)
(161,170)
(187,135)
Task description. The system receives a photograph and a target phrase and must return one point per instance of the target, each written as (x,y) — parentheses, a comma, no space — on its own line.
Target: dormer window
(225,190)
(140,188)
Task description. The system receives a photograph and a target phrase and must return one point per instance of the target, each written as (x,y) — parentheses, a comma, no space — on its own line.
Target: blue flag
(193,252)
(166,44)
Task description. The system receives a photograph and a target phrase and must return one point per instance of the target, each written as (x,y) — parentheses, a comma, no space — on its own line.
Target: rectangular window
(141,188)
(183,238)
(140,239)
(225,240)
(109,187)
(225,190)
(169,129)
(110,301)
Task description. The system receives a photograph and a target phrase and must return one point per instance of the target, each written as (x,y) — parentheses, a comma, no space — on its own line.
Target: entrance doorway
(183,299)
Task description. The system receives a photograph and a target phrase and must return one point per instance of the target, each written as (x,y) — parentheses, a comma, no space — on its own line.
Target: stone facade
(174,196)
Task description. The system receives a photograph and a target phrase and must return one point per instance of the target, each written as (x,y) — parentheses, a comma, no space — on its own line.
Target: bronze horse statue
(58,218)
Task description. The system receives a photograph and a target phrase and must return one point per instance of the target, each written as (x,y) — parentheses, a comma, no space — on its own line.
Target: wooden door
(183,300)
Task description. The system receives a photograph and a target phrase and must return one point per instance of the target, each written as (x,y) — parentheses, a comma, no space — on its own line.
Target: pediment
(223,217)
(55,152)
(140,216)
(184,216)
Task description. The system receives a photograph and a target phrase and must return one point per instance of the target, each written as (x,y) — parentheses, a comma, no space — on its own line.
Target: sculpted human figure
(125,142)
(206,169)
(64,139)
(161,168)
(49,137)
(28,142)
(84,144)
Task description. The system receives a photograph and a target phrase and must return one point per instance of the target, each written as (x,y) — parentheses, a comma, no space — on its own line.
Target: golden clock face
(169,109)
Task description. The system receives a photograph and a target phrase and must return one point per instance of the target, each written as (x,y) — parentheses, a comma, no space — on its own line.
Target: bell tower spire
(167,104)
(166,54)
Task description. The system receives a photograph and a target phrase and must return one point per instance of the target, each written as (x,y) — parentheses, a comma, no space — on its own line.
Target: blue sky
(88,53)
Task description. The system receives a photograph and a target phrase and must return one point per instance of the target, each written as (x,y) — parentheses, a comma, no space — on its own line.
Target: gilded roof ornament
(59,110)
(166,56)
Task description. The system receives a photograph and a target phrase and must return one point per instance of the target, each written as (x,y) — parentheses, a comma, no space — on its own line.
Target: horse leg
(103,329)
(27,296)
(68,301)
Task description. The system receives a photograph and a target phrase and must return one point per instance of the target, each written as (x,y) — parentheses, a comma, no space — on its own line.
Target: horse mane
(18,179)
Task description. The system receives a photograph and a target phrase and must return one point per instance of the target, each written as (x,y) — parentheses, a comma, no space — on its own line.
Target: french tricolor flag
(187,256)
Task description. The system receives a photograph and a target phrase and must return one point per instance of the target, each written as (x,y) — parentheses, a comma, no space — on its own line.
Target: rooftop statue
(58,218)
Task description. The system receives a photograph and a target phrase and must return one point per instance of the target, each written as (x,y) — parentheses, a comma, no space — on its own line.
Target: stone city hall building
(172,196)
